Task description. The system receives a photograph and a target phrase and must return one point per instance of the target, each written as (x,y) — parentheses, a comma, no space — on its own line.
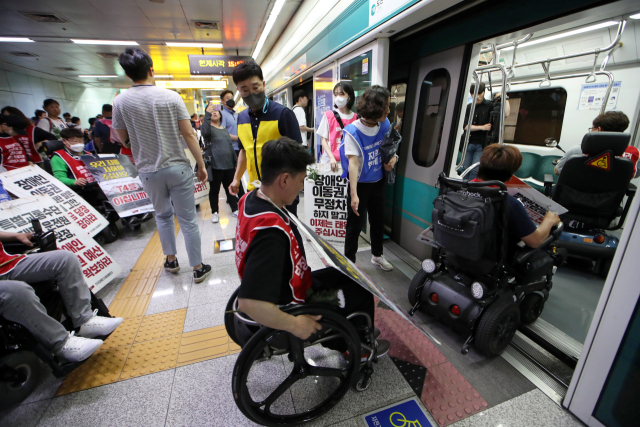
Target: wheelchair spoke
(293,377)
(319,371)
(296,351)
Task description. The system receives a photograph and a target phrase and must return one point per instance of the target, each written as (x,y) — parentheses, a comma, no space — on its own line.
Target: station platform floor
(170,362)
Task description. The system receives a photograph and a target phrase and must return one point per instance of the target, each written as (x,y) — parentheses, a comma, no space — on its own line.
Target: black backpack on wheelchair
(20,352)
(476,283)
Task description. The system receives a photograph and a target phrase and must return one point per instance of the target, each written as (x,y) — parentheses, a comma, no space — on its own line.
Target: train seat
(534,168)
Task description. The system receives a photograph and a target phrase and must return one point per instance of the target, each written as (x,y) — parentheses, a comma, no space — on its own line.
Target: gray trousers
(174,184)
(19,303)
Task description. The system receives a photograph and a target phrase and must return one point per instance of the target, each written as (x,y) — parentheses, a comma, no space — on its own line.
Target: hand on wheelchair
(269,315)
(305,325)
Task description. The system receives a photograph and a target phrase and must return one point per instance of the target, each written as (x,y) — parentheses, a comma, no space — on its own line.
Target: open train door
(429,112)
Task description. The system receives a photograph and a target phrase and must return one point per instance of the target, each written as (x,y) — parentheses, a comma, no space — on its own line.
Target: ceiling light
(91,76)
(636,16)
(267,28)
(187,84)
(109,42)
(204,76)
(196,45)
(16,39)
(567,34)
(163,76)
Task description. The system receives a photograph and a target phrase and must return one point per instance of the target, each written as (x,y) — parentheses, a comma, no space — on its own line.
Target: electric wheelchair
(20,352)
(279,379)
(476,283)
(96,198)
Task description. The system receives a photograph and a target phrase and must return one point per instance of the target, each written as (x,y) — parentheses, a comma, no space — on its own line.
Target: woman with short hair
(362,164)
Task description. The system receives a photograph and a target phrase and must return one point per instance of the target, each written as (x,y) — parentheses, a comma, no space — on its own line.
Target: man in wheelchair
(493,268)
(19,303)
(271,260)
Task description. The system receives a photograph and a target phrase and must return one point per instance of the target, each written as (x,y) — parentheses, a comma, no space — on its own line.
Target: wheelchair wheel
(15,392)
(531,308)
(416,285)
(301,380)
(229,322)
(497,326)
(108,235)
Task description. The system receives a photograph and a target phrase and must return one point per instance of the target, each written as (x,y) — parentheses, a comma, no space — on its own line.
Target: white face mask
(341,101)
(77,147)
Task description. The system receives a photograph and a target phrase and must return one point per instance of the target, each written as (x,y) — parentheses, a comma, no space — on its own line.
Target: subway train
(185,355)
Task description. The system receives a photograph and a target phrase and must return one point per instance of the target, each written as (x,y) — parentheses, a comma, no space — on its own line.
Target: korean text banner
(97,265)
(33,181)
(119,181)
(200,189)
(325,204)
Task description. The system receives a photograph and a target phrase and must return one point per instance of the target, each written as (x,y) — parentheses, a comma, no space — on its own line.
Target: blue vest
(369,145)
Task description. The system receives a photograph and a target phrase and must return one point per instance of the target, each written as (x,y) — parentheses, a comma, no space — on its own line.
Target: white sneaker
(382,262)
(77,349)
(215,218)
(235,213)
(99,326)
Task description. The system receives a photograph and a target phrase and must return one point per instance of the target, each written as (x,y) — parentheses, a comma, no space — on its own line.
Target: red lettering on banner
(73,246)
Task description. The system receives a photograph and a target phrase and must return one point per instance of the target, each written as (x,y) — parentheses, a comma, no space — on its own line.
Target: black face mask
(255,101)
(231,103)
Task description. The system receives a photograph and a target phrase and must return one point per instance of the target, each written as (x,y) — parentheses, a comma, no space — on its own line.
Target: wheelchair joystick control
(37,227)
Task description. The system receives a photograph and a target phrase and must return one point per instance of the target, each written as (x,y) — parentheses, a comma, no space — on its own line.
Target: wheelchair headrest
(597,142)
(51,147)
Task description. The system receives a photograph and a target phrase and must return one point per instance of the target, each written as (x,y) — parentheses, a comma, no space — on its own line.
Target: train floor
(179,324)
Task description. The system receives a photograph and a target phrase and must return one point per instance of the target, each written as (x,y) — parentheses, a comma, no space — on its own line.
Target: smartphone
(217,107)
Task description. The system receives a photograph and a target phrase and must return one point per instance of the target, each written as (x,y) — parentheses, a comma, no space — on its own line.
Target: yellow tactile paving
(129,307)
(149,262)
(102,368)
(161,325)
(205,344)
(136,286)
(124,335)
(151,356)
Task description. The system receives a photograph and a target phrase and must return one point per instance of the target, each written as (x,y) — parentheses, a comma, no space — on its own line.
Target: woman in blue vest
(362,164)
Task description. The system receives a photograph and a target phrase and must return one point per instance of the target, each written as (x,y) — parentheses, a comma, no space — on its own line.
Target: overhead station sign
(214,64)
(188,84)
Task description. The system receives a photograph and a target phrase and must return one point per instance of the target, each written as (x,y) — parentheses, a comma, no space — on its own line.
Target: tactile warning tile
(449,396)
(151,356)
(129,307)
(161,325)
(149,262)
(103,367)
(413,374)
(393,321)
(205,344)
(124,334)
(135,286)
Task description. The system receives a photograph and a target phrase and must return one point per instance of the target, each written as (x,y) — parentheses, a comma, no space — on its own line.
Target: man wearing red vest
(19,303)
(12,153)
(270,257)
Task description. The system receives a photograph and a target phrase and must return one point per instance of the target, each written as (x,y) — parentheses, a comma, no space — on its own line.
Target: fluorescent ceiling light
(16,39)
(196,44)
(636,16)
(188,84)
(567,34)
(106,42)
(163,76)
(200,76)
(95,76)
(267,28)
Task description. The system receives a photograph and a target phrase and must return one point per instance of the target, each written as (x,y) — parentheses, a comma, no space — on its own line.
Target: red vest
(632,154)
(8,262)
(246,229)
(77,166)
(28,142)
(13,154)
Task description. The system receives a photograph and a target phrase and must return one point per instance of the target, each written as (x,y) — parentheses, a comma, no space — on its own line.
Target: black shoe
(202,273)
(376,333)
(171,266)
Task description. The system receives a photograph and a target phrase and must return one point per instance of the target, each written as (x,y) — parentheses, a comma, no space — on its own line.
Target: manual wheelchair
(475,283)
(278,379)
(19,350)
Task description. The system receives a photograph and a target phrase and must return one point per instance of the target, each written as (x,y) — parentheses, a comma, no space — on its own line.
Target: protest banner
(97,265)
(333,258)
(33,181)
(119,181)
(325,204)
(200,189)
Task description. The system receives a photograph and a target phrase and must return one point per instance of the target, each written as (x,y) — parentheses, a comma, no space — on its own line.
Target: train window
(535,116)
(396,108)
(434,94)
(358,71)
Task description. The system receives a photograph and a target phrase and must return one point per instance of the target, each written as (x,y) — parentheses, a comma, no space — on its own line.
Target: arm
(60,171)
(354,166)
(240,170)
(327,149)
(7,237)
(205,126)
(124,137)
(536,238)
(192,143)
(269,315)
(306,129)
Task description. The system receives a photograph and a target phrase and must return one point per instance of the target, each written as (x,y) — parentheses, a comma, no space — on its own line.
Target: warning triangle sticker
(603,161)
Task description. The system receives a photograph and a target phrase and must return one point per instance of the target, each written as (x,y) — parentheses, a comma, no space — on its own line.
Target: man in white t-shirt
(301,100)
(52,123)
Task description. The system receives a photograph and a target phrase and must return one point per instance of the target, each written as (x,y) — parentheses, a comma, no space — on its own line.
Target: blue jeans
(474,152)
(174,184)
